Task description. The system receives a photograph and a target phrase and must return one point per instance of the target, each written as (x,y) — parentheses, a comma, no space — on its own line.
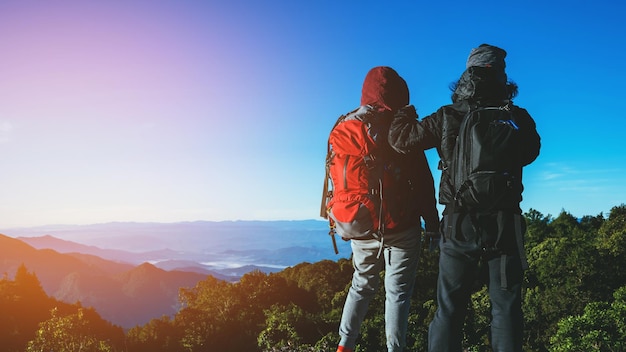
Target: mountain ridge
(157,259)
(113,293)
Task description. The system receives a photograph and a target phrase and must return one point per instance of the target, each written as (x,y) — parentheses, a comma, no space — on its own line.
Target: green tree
(611,253)
(322,279)
(372,335)
(158,335)
(592,224)
(561,279)
(478,322)
(612,233)
(424,301)
(281,327)
(601,327)
(230,316)
(537,227)
(575,264)
(70,333)
(23,304)
(207,309)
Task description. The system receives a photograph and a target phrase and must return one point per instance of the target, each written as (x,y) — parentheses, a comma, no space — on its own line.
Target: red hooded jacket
(363,132)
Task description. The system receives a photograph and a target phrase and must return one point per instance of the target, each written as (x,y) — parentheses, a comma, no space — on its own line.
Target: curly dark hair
(511,88)
(483,84)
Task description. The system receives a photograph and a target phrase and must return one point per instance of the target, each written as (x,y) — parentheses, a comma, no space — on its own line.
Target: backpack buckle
(370,161)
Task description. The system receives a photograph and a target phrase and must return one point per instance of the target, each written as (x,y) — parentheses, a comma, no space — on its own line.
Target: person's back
(394,250)
(474,237)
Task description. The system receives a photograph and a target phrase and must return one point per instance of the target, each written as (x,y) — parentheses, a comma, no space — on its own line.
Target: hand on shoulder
(408,111)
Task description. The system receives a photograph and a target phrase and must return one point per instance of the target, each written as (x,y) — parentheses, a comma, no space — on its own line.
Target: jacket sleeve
(427,200)
(531,140)
(407,134)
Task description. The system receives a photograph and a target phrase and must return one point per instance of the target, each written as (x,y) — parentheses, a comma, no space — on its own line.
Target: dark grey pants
(458,265)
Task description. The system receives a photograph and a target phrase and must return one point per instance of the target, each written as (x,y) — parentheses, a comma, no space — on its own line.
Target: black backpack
(486,170)
(486,167)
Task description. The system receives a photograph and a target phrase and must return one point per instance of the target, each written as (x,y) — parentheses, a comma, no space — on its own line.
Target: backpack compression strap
(327,194)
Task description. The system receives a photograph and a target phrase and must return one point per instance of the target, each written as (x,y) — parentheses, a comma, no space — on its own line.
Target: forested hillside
(574,300)
(124,294)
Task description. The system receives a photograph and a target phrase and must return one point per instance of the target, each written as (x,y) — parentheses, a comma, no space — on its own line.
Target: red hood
(384,89)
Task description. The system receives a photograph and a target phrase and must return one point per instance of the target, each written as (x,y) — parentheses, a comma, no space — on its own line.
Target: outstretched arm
(407,134)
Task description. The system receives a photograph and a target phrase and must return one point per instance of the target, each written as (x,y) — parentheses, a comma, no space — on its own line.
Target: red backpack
(366,189)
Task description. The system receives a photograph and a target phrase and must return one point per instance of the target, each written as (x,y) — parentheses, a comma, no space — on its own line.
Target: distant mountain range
(223,249)
(131,272)
(124,294)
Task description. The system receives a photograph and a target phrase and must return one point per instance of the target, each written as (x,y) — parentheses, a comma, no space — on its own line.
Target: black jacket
(477,87)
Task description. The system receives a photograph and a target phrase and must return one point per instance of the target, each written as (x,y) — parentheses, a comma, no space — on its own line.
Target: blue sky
(203,110)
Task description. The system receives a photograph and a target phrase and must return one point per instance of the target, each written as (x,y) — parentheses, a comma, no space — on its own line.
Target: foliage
(562,277)
(574,299)
(322,279)
(601,327)
(26,322)
(477,322)
(23,304)
(537,227)
(158,335)
(612,233)
(281,327)
(69,333)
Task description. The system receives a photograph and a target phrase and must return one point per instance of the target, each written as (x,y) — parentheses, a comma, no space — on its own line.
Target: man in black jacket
(473,241)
